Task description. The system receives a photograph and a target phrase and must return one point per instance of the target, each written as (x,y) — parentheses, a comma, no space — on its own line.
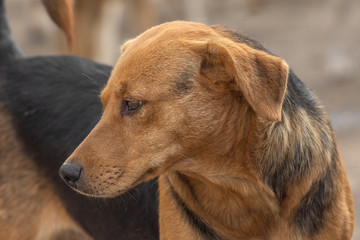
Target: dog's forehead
(158,60)
(153,66)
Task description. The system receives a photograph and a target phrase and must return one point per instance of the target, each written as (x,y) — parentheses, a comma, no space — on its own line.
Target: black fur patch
(185,181)
(194,220)
(310,214)
(300,96)
(183,82)
(239,37)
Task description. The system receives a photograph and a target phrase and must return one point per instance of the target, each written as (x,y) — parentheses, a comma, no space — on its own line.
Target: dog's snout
(70,172)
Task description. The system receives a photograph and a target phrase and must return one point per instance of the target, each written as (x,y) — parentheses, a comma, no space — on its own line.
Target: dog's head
(174,100)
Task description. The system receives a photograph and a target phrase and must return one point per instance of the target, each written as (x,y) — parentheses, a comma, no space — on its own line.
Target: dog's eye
(129,107)
(133,105)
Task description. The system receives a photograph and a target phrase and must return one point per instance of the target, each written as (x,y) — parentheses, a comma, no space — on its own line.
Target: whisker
(89,78)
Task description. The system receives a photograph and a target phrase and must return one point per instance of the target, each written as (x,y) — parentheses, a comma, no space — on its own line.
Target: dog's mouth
(107,185)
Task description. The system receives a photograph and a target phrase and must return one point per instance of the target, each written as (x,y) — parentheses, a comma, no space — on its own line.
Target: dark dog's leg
(8,47)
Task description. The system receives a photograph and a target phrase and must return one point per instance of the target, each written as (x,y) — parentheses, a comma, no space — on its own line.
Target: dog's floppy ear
(259,76)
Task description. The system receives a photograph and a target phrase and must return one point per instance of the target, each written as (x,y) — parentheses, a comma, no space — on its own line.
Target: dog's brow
(120,89)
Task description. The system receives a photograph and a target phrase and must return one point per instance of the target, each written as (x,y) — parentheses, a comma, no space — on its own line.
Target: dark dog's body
(47,106)
(241,146)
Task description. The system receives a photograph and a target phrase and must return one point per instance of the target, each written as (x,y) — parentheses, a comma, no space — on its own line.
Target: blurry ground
(319,39)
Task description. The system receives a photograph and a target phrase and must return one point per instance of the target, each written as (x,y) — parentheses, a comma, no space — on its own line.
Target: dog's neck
(219,197)
(220,206)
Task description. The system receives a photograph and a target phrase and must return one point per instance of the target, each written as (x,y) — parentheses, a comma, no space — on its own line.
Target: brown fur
(27,195)
(241,147)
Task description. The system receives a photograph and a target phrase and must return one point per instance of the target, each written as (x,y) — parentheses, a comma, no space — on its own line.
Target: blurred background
(319,40)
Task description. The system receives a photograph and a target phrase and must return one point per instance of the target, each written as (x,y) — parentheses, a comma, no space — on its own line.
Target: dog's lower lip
(72,184)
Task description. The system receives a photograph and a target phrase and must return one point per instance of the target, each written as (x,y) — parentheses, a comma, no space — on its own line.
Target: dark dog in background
(47,106)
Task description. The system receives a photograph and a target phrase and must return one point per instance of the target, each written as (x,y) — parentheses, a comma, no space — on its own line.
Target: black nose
(70,172)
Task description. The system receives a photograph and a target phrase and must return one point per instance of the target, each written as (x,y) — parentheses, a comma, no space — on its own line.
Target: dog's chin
(103,195)
(110,191)
(98,193)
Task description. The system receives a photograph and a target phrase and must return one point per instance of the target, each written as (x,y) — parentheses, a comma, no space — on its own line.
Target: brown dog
(241,146)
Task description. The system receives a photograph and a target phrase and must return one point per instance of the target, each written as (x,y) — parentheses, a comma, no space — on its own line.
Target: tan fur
(29,208)
(88,17)
(61,12)
(215,130)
